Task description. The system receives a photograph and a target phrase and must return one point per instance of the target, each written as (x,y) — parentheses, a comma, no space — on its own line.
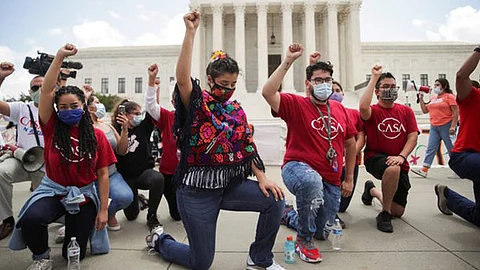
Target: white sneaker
(251,266)
(419,172)
(60,235)
(153,236)
(43,264)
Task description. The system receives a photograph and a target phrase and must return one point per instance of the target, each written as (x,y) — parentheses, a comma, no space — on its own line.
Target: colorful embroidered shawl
(215,139)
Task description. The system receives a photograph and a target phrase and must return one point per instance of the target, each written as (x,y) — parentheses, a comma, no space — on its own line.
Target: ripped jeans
(317,201)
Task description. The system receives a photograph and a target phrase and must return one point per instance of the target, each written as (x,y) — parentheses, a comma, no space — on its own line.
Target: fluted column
(240,44)
(354,46)
(197,48)
(262,44)
(333,33)
(342,17)
(287,39)
(309,13)
(217,9)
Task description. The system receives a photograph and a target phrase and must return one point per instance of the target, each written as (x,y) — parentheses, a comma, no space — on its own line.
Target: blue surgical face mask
(137,120)
(322,91)
(35,96)
(437,90)
(101,111)
(70,117)
(337,97)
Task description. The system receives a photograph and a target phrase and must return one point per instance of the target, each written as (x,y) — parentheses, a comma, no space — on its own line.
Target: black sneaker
(152,222)
(342,223)
(142,202)
(384,222)
(367,198)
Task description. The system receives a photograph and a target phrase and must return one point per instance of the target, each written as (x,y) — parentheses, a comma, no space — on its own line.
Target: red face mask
(221,93)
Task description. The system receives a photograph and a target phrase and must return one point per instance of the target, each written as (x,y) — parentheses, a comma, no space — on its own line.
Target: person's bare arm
(270,89)
(6,69)
(366,100)
(463,83)
(184,63)
(423,106)
(453,127)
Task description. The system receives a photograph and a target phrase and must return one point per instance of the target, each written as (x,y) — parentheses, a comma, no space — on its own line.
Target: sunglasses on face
(35,88)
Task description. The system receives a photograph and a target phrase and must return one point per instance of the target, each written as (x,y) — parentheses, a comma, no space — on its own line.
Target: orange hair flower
(218,54)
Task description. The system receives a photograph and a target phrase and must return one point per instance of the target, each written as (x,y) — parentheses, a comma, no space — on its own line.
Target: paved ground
(423,239)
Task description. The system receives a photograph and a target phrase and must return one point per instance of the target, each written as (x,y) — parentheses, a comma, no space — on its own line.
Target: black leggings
(35,222)
(150,180)
(171,196)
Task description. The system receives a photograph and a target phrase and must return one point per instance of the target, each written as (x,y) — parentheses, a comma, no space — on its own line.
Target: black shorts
(376,166)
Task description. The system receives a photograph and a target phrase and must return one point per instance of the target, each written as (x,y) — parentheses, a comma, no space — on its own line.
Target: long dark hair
(87,141)
(445,84)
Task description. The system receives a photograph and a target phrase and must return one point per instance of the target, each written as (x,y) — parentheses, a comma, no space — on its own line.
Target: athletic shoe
(251,266)
(152,221)
(419,172)
(307,251)
(384,222)
(442,199)
(43,264)
(367,198)
(60,235)
(112,224)
(155,233)
(142,202)
(288,209)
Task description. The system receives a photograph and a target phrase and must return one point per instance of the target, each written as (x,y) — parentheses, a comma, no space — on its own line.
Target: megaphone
(411,86)
(32,159)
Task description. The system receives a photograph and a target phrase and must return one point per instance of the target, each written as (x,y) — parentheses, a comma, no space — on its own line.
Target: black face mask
(221,93)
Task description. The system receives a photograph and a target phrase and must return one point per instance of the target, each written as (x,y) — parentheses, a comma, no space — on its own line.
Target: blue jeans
(465,165)
(437,134)
(120,193)
(199,209)
(317,201)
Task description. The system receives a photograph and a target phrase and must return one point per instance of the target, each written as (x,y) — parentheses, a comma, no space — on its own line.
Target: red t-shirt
(169,160)
(307,139)
(468,138)
(354,116)
(67,173)
(387,131)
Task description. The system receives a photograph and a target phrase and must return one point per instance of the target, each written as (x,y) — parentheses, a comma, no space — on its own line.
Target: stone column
(342,68)
(333,33)
(354,46)
(262,44)
(309,13)
(240,44)
(198,45)
(217,9)
(287,39)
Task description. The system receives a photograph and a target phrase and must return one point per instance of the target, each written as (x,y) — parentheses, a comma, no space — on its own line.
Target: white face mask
(137,120)
(322,91)
(101,111)
(437,90)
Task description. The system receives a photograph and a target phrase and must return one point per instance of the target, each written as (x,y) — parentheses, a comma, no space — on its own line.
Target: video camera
(40,65)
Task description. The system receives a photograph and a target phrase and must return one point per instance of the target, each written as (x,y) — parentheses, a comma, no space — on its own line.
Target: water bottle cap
(337,220)
(73,238)
(289,238)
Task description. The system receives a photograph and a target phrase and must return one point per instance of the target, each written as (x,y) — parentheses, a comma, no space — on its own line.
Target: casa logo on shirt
(391,128)
(28,128)
(319,126)
(74,142)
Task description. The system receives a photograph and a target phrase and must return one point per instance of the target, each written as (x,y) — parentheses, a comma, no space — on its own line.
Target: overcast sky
(27,26)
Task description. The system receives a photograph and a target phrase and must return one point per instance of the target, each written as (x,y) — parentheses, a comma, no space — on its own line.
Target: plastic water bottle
(289,250)
(337,235)
(73,253)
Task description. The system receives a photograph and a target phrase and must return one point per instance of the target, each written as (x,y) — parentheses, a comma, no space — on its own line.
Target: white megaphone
(411,86)
(32,159)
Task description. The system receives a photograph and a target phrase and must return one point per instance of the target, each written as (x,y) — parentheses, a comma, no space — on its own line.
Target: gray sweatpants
(11,171)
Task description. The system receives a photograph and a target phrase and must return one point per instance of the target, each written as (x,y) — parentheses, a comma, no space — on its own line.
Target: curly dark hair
(327,66)
(222,65)
(87,140)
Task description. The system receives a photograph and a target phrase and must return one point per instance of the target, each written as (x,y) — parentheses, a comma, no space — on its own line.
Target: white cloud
(418,22)
(19,81)
(172,33)
(463,24)
(97,34)
(114,14)
(55,31)
(147,39)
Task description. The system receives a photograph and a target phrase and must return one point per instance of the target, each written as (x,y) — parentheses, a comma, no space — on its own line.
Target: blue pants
(437,134)
(465,165)
(317,201)
(199,209)
(120,193)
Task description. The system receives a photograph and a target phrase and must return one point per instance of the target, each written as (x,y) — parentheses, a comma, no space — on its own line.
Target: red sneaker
(307,251)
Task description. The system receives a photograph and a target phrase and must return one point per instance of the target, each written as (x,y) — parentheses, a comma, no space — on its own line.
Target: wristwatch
(477,49)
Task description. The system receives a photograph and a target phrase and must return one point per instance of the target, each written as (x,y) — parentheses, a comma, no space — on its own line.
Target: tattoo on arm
(287,65)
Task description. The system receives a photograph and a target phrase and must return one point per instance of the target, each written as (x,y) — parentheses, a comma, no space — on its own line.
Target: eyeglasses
(34,88)
(388,87)
(319,80)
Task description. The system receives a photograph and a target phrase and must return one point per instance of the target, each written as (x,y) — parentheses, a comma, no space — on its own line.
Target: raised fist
(192,19)
(314,57)
(377,70)
(294,51)
(67,50)
(153,70)
(6,68)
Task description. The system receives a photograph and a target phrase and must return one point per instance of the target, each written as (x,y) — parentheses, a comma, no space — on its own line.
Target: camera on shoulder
(40,65)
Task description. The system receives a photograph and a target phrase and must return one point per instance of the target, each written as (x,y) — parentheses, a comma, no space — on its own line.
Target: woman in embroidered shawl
(218,154)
